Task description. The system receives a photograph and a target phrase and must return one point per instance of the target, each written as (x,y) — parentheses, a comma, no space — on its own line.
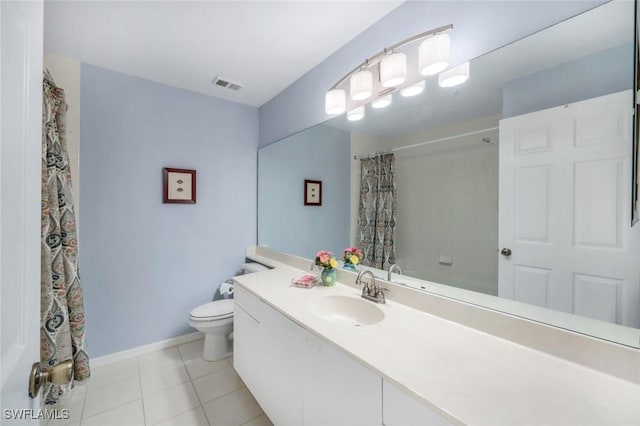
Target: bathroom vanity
(319,356)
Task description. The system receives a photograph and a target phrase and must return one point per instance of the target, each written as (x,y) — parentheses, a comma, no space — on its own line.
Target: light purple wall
(479,27)
(146,264)
(285,223)
(595,75)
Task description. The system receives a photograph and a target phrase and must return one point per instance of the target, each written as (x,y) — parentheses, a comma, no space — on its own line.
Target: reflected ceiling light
(388,69)
(413,90)
(433,54)
(361,85)
(335,101)
(356,114)
(454,76)
(393,70)
(382,102)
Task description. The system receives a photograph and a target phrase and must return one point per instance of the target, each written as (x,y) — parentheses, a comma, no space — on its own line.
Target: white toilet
(215,320)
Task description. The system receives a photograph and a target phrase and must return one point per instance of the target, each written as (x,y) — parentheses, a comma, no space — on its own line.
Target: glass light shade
(382,102)
(356,114)
(335,101)
(454,76)
(361,85)
(413,90)
(433,54)
(393,70)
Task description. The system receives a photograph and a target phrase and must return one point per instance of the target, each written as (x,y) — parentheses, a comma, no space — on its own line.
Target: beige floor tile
(160,360)
(233,409)
(217,384)
(191,350)
(129,414)
(73,402)
(169,403)
(112,373)
(195,417)
(262,420)
(164,379)
(75,414)
(110,396)
(199,367)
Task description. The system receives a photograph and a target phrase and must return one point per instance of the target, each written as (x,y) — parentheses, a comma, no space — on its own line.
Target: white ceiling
(264,45)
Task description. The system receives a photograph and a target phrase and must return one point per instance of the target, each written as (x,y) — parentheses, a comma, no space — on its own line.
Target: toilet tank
(251,267)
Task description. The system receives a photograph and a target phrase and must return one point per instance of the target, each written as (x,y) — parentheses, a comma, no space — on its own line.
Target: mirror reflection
(515,184)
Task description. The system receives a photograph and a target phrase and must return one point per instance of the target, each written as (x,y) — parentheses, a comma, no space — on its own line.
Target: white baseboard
(145,349)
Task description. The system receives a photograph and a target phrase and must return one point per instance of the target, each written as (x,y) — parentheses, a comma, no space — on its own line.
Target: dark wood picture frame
(173,184)
(312,192)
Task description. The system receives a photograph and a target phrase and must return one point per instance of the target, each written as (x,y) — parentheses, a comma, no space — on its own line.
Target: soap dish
(306,281)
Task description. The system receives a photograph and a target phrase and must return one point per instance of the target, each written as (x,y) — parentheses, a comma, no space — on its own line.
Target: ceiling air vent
(222,82)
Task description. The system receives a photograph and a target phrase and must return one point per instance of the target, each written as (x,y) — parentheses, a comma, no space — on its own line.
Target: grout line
(144,412)
(112,408)
(84,402)
(259,415)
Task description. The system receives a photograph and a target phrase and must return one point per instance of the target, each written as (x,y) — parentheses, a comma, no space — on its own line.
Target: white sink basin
(346,310)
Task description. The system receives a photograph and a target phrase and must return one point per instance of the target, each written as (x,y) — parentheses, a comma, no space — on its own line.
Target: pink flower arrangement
(352,255)
(325,259)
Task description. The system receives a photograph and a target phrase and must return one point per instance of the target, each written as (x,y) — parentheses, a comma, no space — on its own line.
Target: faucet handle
(379,293)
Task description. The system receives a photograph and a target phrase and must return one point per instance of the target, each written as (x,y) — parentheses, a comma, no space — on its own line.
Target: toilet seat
(213,311)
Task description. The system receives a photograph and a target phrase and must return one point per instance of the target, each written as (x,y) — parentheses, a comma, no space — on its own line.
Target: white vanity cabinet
(401,409)
(339,391)
(266,356)
(297,378)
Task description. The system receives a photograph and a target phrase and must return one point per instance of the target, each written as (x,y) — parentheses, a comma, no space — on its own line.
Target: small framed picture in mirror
(312,192)
(178,186)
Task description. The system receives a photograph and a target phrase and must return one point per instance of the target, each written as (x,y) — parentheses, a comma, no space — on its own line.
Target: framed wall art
(312,192)
(178,186)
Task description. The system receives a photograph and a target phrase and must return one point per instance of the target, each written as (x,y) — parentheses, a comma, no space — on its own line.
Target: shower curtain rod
(415,145)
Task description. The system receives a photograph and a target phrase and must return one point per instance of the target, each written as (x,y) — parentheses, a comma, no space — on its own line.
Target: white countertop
(466,375)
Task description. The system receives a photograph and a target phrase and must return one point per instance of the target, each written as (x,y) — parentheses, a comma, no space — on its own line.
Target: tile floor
(171,387)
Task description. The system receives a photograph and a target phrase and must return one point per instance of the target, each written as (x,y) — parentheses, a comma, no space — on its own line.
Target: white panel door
(20,153)
(565,210)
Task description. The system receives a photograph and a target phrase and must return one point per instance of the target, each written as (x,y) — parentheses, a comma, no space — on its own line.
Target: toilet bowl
(215,320)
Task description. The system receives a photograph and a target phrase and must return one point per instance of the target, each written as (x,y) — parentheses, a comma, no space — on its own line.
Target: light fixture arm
(375,59)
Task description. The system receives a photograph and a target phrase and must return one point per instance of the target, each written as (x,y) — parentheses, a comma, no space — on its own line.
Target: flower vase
(328,277)
(349,267)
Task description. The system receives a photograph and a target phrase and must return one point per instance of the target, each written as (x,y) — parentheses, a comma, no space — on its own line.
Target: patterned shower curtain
(377,211)
(61,305)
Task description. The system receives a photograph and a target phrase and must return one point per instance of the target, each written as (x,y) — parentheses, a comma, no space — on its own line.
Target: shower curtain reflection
(377,211)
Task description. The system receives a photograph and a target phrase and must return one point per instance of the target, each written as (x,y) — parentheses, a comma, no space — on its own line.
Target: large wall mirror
(512,190)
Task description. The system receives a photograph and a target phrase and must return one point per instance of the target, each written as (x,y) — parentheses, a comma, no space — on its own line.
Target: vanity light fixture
(335,101)
(454,76)
(356,114)
(382,102)
(361,85)
(433,54)
(388,70)
(393,70)
(413,90)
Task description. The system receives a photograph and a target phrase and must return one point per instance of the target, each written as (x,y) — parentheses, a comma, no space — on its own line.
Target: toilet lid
(218,308)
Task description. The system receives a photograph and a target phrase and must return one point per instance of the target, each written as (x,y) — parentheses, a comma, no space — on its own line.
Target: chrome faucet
(391,268)
(371,291)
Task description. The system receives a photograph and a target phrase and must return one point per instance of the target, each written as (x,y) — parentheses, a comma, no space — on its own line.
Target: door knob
(506,252)
(59,374)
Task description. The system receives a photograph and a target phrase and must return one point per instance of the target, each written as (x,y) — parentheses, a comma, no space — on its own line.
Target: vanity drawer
(255,307)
